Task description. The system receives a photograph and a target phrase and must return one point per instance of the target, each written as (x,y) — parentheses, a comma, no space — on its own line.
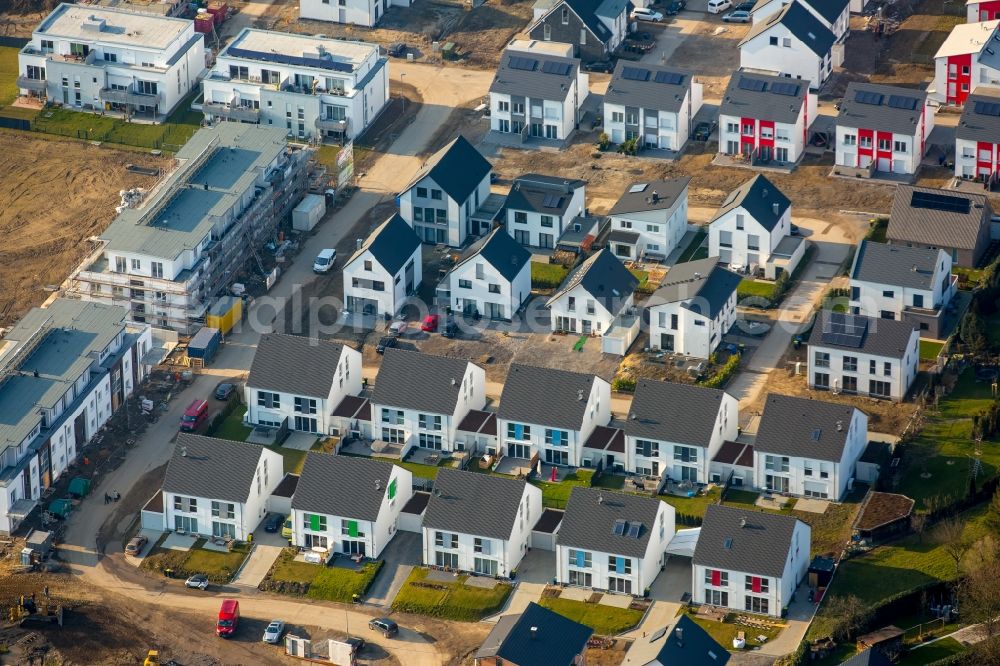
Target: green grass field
(547,276)
(725,632)
(929,654)
(930,349)
(8,74)
(218,566)
(449,600)
(327,583)
(755,288)
(698,249)
(604,620)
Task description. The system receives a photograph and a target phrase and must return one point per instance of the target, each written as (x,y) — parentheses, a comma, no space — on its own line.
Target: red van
(194,416)
(229,618)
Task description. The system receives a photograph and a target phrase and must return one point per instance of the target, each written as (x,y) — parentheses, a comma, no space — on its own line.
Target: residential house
(863,355)
(765,118)
(297,382)
(355,12)
(676,429)
(548,414)
(540,208)
(686,643)
(753,228)
(592,295)
(732,464)
(649,219)
(534,637)
(911,284)
(537,96)
(982,10)
(968,58)
(419,399)
(595,28)
(977,137)
(834,14)
(652,104)
(612,541)
(872,656)
(385,269)
(749,561)
(441,200)
(882,128)
(492,279)
(314,87)
(66,369)
(112,60)
(808,448)
(693,308)
(477,433)
(348,505)
(458,534)
(792,43)
(218,487)
(954,221)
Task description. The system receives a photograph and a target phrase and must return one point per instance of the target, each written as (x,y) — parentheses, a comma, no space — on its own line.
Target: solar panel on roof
(523,64)
(902,102)
(756,85)
(868,97)
(559,68)
(941,202)
(844,330)
(635,74)
(669,78)
(783,88)
(552,201)
(987,108)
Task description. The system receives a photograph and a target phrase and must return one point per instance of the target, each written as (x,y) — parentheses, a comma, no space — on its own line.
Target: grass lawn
(325,582)
(547,276)
(8,74)
(929,349)
(555,495)
(725,632)
(928,654)
(604,620)
(232,426)
(327,156)
(971,276)
(698,249)
(218,566)
(449,600)
(693,506)
(755,288)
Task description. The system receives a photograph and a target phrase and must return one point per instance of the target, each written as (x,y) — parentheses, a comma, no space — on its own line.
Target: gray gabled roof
(803,428)
(752,542)
(392,243)
(765,103)
(880,117)
(762,200)
(650,195)
(895,265)
(703,285)
(294,364)
(458,168)
(342,486)
(691,646)
(532,191)
(652,90)
(869,657)
(591,514)
(535,637)
(829,9)
(535,83)
(425,382)
(802,24)
(472,503)
(499,249)
(889,338)
(218,469)
(670,412)
(913,221)
(604,277)
(545,396)
(976,124)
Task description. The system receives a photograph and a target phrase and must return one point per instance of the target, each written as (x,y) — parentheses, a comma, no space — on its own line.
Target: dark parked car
(384,343)
(224,390)
(745,6)
(273,522)
(702,131)
(397,50)
(600,66)
(385,626)
(676,7)
(450,329)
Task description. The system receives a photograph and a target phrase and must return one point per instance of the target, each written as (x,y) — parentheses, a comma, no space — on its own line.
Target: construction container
(204,22)
(79,486)
(202,347)
(219,11)
(224,314)
(308,213)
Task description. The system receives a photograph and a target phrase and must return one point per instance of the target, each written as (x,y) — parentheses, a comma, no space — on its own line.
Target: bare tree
(950,534)
(852,615)
(978,593)
(918,523)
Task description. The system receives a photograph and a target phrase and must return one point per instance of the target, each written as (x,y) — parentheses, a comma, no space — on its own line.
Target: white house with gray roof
(693,308)
(863,355)
(834,14)
(765,118)
(298,381)
(955,221)
(65,369)
(649,219)
(749,561)
(347,505)
(592,296)
(420,399)
(550,413)
(912,284)
(651,103)
(540,208)
(793,43)
(676,429)
(612,541)
(386,268)
(536,96)
(492,279)
(977,136)
(808,448)
(479,523)
(218,487)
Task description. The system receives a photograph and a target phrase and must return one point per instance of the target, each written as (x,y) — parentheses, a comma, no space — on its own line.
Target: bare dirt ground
(56,194)
(712,52)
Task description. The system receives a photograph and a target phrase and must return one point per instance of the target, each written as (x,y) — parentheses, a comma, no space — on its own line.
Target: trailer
(309,212)
(203,346)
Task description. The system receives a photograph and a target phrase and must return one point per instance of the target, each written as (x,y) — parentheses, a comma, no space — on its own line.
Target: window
(687,454)
(429,421)
(756,584)
(773,41)
(887,369)
(518,431)
(583,36)
(565,16)
(850,384)
(725,239)
(445,540)
(503,105)
(807,470)
(918,300)
(617,117)
(393,435)
(350,528)
(888,293)
(156,268)
(776,463)
(821,359)
(580,558)
(188,504)
(136,265)
(755,605)
(716,578)
(556,437)
(739,221)
(225,510)
(547,32)
(850,364)
(753,242)
(517,107)
(850,139)
(879,389)
(865,142)
(392,416)
(485,567)
(899,146)
(422,191)
(520,217)
(120,265)
(449,560)
(494,289)
(621,565)
(716,597)
(571,304)
(436,194)
(884,144)
(484,546)
(314,522)
(547,221)
(786,42)
(465,284)
(646,448)
(673,322)
(268,400)
(305,405)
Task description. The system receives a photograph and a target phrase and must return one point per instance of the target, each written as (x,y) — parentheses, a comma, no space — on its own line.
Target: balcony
(231,112)
(37,85)
(115,96)
(331,125)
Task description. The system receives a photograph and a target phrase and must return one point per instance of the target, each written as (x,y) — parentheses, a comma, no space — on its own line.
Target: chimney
(453,381)
(697,276)
(358,242)
(743,522)
(579,395)
(378,484)
(184,452)
(776,208)
(534,633)
(655,197)
(632,416)
(600,499)
(679,633)
(840,426)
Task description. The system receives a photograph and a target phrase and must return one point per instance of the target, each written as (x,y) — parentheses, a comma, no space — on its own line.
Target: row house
(112,60)
(66,369)
(765,118)
(354,12)
(592,296)
(882,129)
(977,137)
(834,14)
(594,28)
(651,104)
(792,43)
(384,271)
(540,208)
(649,219)
(491,280)
(313,87)
(968,58)
(535,636)
(951,220)
(982,10)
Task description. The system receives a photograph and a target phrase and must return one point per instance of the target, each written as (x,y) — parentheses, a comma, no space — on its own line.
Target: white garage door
(410,522)
(543,540)
(883,164)
(899,166)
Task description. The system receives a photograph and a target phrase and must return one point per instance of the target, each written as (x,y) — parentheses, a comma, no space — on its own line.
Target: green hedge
(624,384)
(723,374)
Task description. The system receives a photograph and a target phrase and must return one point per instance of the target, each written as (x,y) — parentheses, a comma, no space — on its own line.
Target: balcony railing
(116,96)
(232,111)
(328,124)
(24,83)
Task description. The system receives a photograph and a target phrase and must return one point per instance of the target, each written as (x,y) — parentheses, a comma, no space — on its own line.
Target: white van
(717,6)
(324,261)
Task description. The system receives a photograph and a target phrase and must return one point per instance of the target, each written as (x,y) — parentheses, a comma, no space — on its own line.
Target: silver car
(197,581)
(275,630)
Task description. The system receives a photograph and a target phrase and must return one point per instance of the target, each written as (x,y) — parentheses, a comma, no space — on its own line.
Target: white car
(646,14)
(719,6)
(324,261)
(197,581)
(274,632)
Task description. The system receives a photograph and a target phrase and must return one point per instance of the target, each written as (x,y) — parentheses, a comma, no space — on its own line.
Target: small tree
(950,535)
(972,330)
(603,141)
(852,615)
(978,593)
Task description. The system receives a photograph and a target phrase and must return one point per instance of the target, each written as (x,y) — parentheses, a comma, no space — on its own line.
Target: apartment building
(312,87)
(112,60)
(167,258)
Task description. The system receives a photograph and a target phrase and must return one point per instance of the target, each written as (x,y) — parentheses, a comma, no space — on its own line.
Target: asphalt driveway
(400,556)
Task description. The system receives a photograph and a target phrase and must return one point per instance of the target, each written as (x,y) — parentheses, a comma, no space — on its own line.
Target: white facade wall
(696,335)
(532,233)
(660,231)
(906,160)
(512,294)
(667,130)
(900,375)
(558,117)
(456,226)
(392,294)
(874,299)
(587,314)
(356,12)
(739,251)
(796,61)
(790,136)
(979,75)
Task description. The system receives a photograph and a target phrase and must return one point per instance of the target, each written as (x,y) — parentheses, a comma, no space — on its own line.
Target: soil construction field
(56,195)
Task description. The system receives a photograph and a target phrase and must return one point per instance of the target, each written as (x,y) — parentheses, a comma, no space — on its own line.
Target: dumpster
(61,507)
(224,314)
(202,347)
(204,22)
(309,211)
(218,10)
(79,486)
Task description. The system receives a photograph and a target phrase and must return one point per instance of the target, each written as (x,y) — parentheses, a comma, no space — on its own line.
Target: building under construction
(194,236)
